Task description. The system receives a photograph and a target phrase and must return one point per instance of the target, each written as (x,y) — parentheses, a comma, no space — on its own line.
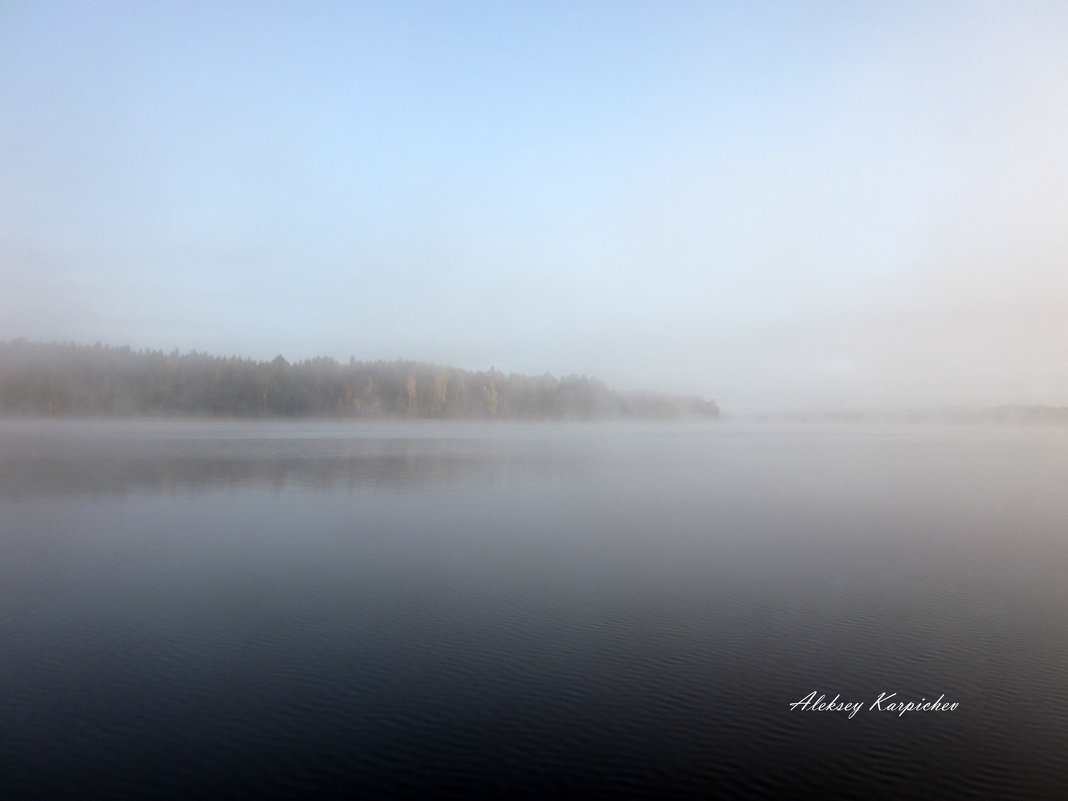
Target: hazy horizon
(783,208)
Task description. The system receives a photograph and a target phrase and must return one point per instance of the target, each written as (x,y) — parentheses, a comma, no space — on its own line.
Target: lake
(194,609)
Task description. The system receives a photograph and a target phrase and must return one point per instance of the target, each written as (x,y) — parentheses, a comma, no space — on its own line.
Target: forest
(66,379)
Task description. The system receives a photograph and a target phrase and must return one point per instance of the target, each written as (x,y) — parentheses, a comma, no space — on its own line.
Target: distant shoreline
(99,381)
(984,414)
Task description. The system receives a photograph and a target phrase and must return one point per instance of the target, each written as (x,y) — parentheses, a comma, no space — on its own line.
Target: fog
(812,207)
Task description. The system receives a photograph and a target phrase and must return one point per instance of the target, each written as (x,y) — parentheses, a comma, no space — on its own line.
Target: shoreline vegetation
(70,380)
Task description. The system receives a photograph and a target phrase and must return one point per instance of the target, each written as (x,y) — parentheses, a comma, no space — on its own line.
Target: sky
(781,206)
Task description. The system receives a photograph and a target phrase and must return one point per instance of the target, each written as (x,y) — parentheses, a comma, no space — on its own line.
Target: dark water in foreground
(193,610)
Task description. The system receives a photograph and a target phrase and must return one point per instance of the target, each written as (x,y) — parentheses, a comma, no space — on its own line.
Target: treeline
(98,380)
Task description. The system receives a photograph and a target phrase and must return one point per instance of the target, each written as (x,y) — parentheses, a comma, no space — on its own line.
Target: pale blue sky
(781,206)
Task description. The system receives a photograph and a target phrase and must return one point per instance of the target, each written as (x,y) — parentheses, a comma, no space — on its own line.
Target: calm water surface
(256,610)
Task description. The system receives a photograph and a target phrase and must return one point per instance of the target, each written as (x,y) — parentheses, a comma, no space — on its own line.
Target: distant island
(66,379)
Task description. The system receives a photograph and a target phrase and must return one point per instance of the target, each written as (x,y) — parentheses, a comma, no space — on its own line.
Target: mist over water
(248,609)
(322,230)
